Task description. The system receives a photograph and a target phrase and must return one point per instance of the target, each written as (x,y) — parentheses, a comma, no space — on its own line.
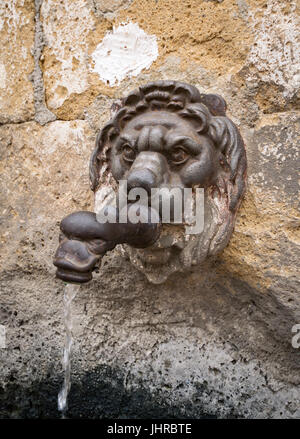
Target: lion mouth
(163,250)
(73,276)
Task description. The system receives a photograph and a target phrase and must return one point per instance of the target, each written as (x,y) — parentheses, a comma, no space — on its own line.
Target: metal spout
(84,241)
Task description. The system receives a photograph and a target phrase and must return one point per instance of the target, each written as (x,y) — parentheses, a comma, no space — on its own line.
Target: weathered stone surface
(34,161)
(66,28)
(195,31)
(250,44)
(16,60)
(109,6)
(276,50)
(222,341)
(42,114)
(267,231)
(217,344)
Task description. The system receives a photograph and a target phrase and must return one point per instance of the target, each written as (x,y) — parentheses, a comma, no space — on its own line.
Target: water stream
(69,294)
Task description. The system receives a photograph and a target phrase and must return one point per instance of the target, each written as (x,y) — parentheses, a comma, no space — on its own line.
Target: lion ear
(215,103)
(107,131)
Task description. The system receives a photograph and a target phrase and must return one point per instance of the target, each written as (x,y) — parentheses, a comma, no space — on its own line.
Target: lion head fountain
(165,135)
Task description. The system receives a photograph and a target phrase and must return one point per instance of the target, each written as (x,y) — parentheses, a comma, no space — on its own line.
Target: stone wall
(191,347)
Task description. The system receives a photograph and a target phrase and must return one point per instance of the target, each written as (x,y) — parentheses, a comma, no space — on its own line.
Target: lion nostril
(141,178)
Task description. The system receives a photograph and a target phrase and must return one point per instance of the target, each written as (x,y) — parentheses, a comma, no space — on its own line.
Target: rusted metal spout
(84,240)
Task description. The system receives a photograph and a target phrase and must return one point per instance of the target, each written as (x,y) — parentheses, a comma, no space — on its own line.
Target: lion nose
(148,171)
(143,178)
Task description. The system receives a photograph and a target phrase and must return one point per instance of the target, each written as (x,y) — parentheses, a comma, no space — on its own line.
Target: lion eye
(179,156)
(128,153)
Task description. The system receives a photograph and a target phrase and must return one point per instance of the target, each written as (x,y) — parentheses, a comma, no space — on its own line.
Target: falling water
(69,294)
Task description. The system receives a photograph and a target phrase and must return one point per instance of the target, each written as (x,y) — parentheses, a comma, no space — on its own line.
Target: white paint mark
(276,49)
(2,76)
(125,51)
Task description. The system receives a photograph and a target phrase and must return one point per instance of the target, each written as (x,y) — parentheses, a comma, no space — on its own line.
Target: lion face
(167,135)
(159,148)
